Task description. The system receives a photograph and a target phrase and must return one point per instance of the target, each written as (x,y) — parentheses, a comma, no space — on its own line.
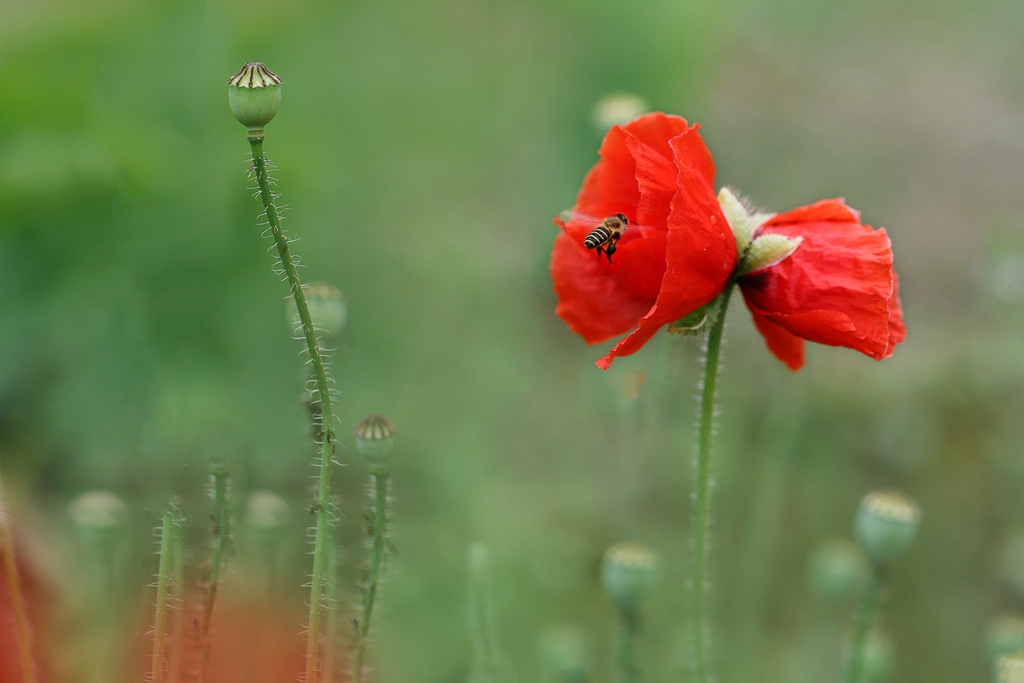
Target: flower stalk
(169,529)
(22,630)
(321,395)
(862,628)
(381,483)
(629,620)
(702,495)
(221,538)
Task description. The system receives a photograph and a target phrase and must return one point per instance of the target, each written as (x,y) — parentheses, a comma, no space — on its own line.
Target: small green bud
(886,525)
(618,109)
(1010,669)
(767,250)
(327,308)
(628,573)
(1005,636)
(254,95)
(98,511)
(266,511)
(837,570)
(375,439)
(564,655)
(744,222)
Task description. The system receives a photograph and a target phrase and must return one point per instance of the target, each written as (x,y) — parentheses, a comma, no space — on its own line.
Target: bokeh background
(424,148)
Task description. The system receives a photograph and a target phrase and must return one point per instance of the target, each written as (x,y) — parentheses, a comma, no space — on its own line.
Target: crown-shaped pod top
(254,95)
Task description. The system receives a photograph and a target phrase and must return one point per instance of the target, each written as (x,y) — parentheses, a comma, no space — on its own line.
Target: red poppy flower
(678,252)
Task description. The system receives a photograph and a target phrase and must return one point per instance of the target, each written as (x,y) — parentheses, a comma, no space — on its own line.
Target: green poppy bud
(767,250)
(254,95)
(375,439)
(886,525)
(837,570)
(1010,669)
(327,308)
(1005,636)
(628,573)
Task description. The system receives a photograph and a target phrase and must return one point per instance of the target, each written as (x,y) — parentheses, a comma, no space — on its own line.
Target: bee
(606,235)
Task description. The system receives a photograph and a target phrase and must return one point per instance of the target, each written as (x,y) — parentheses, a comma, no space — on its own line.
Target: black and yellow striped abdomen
(598,236)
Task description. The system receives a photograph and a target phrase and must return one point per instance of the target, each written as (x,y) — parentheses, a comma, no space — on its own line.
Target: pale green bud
(98,511)
(1005,636)
(744,222)
(628,573)
(327,308)
(886,525)
(266,511)
(254,95)
(767,250)
(1010,669)
(837,570)
(375,440)
(618,109)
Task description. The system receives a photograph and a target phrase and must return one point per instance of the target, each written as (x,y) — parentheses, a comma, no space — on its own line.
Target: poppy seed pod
(375,439)
(1005,636)
(886,525)
(254,95)
(628,573)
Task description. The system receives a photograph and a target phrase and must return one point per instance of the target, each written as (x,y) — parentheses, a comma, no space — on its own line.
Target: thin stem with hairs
(221,536)
(321,395)
(169,529)
(380,502)
(702,495)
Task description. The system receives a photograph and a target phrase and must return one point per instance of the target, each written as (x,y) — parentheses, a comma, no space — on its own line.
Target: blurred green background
(424,148)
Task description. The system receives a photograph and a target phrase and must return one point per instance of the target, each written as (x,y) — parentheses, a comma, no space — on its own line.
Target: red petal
(838,287)
(700,250)
(592,304)
(786,347)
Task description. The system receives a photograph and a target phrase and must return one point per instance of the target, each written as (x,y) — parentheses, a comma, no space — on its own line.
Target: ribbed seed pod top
(254,95)
(375,440)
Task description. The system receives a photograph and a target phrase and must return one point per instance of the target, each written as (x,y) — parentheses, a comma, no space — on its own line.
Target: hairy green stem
(380,502)
(168,530)
(862,628)
(489,664)
(702,497)
(333,600)
(23,632)
(221,539)
(629,620)
(178,599)
(325,450)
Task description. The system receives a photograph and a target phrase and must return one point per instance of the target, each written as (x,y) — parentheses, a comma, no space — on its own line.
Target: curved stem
(23,633)
(628,620)
(865,618)
(325,450)
(702,497)
(380,501)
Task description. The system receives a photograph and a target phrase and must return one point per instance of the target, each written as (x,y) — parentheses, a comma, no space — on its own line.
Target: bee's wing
(582,219)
